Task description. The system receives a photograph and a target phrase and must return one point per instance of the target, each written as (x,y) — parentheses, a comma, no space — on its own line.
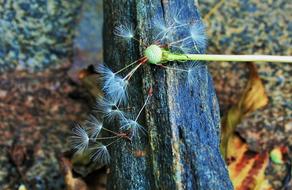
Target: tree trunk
(183,125)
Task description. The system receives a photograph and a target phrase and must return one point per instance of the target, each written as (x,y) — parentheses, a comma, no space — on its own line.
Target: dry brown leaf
(246,168)
(253,98)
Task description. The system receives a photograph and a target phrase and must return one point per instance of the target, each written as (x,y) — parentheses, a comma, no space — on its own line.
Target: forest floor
(37,111)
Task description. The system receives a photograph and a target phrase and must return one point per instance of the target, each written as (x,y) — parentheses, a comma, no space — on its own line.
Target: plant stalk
(168,56)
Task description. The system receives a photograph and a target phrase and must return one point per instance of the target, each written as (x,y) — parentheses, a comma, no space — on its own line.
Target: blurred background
(48,47)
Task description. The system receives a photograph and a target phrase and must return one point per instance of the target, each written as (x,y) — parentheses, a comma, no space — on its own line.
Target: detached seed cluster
(181,36)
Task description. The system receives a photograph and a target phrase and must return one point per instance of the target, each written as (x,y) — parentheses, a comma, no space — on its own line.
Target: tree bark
(183,124)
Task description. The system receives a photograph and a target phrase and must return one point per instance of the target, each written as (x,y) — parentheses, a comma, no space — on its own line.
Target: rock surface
(35,34)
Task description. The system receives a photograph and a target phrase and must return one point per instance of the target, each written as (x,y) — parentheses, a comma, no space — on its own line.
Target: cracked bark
(183,124)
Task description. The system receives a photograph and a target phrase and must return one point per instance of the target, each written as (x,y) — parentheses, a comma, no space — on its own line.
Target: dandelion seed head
(124,31)
(79,140)
(94,126)
(99,153)
(197,33)
(153,53)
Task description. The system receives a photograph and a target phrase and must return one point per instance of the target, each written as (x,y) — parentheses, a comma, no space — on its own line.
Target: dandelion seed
(124,31)
(185,47)
(159,23)
(117,90)
(177,16)
(164,31)
(108,108)
(174,68)
(99,152)
(192,72)
(132,126)
(94,126)
(197,33)
(114,86)
(79,140)
(106,73)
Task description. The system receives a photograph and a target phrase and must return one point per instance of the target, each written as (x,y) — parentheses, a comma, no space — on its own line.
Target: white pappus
(93,126)
(99,152)
(79,139)
(108,108)
(114,86)
(124,30)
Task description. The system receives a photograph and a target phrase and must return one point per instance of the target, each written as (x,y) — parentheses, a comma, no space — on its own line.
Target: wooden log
(183,125)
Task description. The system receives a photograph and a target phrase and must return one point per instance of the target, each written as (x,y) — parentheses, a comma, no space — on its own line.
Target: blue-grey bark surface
(182,122)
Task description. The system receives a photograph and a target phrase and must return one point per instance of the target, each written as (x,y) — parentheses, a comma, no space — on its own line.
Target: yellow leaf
(246,168)
(253,98)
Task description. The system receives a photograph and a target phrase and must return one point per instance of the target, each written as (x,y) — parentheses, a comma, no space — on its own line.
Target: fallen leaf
(246,168)
(253,98)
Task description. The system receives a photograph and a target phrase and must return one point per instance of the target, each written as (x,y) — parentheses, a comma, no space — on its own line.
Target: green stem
(168,56)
